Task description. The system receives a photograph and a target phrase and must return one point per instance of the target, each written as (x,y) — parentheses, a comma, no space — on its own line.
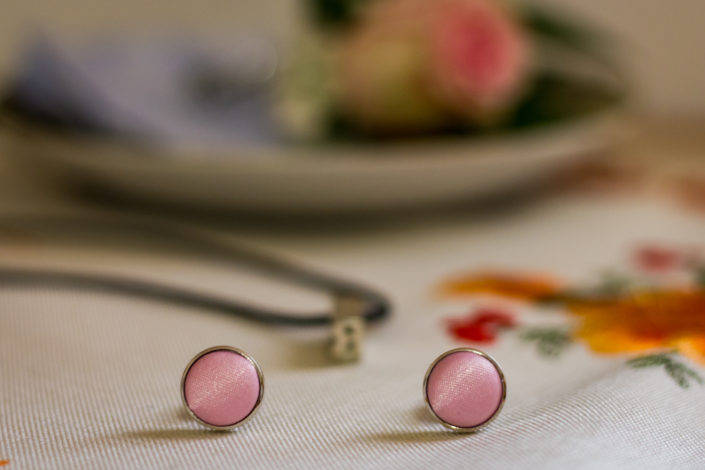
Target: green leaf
(650,361)
(613,284)
(700,276)
(335,13)
(564,29)
(553,97)
(550,342)
(681,374)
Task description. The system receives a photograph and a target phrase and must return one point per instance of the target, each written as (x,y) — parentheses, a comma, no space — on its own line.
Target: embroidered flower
(504,284)
(671,319)
(657,258)
(481,325)
(624,321)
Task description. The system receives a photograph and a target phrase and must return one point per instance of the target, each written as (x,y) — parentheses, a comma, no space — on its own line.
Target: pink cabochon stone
(464,389)
(222,388)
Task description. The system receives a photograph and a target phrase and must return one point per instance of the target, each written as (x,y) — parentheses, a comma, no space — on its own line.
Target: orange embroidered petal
(673,319)
(4,462)
(692,347)
(615,341)
(522,287)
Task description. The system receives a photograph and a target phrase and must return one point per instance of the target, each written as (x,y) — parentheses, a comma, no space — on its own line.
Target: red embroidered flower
(481,325)
(662,258)
(655,258)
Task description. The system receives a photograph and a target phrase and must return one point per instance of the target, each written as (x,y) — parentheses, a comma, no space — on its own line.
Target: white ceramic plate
(324,178)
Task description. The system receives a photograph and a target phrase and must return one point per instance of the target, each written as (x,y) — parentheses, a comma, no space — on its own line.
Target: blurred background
(661,41)
(324,122)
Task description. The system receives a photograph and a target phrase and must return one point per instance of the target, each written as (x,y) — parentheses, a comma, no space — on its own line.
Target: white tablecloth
(91,380)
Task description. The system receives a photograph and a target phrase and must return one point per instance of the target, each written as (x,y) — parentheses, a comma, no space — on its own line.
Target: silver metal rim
(260,376)
(501,377)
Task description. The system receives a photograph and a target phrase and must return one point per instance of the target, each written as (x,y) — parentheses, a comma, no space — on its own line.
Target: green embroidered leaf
(694,375)
(700,276)
(650,361)
(613,284)
(681,374)
(550,342)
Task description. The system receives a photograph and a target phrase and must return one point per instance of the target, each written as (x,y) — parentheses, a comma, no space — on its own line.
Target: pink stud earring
(222,387)
(465,389)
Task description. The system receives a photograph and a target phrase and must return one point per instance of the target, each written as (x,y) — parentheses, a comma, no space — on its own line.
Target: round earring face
(465,389)
(222,387)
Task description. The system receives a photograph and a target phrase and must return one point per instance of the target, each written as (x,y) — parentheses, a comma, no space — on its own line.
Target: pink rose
(479,56)
(413,66)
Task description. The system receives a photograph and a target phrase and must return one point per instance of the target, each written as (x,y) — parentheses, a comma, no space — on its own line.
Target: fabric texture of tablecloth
(91,380)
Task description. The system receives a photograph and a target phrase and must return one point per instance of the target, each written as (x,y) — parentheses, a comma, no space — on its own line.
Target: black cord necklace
(374,306)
